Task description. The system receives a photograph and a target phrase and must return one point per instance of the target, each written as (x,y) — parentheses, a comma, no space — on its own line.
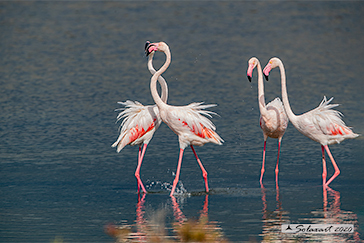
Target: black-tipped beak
(266,77)
(249,78)
(147,45)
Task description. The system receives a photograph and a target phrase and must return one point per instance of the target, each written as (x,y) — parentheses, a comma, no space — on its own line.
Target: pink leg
(262,170)
(204,172)
(279,149)
(140,153)
(137,171)
(324,171)
(135,174)
(337,171)
(176,179)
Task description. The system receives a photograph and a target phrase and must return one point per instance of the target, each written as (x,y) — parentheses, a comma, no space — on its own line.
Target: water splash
(158,186)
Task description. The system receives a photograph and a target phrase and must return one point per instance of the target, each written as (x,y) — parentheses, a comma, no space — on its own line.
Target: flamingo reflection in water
(154,230)
(201,230)
(329,214)
(272,220)
(333,214)
(144,230)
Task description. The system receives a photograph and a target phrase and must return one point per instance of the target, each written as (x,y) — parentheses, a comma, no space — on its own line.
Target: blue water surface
(65,65)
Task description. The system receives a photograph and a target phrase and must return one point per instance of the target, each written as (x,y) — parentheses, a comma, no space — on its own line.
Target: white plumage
(139,124)
(322,124)
(188,122)
(273,119)
(191,124)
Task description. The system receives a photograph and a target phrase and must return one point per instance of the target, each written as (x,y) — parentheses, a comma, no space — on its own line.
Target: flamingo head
(273,63)
(252,63)
(151,47)
(146,48)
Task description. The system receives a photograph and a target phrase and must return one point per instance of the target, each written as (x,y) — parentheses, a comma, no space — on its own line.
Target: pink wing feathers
(192,120)
(139,124)
(328,122)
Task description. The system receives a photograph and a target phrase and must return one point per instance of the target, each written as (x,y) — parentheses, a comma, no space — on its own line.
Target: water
(64,65)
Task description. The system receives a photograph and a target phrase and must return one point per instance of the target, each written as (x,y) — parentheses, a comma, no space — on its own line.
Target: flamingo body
(322,124)
(275,123)
(189,122)
(140,123)
(273,119)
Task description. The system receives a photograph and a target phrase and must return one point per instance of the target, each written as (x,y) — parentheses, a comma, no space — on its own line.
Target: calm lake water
(65,65)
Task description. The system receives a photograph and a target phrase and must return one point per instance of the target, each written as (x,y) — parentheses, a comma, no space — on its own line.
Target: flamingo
(190,122)
(140,123)
(273,119)
(322,124)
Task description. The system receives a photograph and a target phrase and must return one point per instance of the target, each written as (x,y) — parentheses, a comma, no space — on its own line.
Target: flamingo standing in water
(140,123)
(321,124)
(188,122)
(273,119)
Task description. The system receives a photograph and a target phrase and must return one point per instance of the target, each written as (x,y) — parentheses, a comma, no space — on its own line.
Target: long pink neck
(261,98)
(161,80)
(153,81)
(292,117)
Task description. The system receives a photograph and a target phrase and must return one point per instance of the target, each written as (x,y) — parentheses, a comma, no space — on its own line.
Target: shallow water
(64,65)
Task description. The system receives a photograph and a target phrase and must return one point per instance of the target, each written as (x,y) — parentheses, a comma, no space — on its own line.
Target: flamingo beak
(147,46)
(249,73)
(266,70)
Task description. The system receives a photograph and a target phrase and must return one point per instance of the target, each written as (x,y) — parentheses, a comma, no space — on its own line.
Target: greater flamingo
(321,124)
(273,119)
(140,123)
(188,122)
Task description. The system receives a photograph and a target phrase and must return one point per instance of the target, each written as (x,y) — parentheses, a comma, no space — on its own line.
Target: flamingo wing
(328,122)
(193,120)
(138,125)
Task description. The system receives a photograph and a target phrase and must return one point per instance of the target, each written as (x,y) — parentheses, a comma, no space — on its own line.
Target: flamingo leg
(135,174)
(277,170)
(324,170)
(204,172)
(176,179)
(337,170)
(137,171)
(262,170)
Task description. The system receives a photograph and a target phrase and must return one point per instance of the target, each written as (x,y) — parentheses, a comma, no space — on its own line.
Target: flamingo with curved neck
(161,80)
(188,122)
(322,124)
(273,119)
(140,123)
